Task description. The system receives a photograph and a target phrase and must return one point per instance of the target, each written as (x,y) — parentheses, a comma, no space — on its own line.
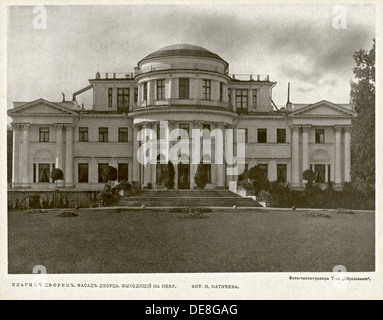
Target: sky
(294,43)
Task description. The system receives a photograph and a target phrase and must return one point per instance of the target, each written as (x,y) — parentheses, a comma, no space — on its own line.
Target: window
(319,136)
(281,135)
(103,134)
(320,173)
(161,134)
(123,171)
(262,135)
(83,173)
(145,91)
(83,135)
(44,135)
(282,173)
(101,168)
(123,135)
(229,95)
(34,173)
(243,135)
(160,89)
(265,169)
(184,126)
(221,91)
(160,171)
(208,172)
(136,95)
(110,97)
(241,101)
(206,89)
(255,99)
(44,173)
(123,97)
(184,92)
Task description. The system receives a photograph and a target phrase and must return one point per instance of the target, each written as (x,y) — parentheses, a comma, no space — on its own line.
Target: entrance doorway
(183,176)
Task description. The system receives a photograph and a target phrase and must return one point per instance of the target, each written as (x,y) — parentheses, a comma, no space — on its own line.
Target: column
(16,155)
(347,154)
(69,157)
(131,98)
(25,156)
(213,160)
(148,166)
(221,176)
(150,92)
(305,147)
(136,164)
(59,146)
(295,179)
(338,155)
(193,167)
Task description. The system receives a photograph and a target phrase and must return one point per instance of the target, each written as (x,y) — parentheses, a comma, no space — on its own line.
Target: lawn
(144,241)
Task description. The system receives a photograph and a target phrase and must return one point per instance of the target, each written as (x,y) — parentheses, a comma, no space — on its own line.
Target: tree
(109,173)
(309,176)
(201,177)
(57,174)
(363,133)
(169,176)
(258,178)
(9,153)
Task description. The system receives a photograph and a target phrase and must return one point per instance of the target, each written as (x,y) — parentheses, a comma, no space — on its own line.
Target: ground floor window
(83,173)
(320,173)
(208,172)
(282,173)
(160,173)
(44,172)
(101,168)
(265,169)
(123,171)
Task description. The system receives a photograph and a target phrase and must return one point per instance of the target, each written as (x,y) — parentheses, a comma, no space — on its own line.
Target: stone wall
(45,199)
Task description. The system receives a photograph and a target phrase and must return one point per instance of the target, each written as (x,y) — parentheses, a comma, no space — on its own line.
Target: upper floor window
(123,97)
(123,135)
(44,135)
(160,89)
(220,91)
(207,89)
(281,135)
(184,88)
(255,98)
(262,135)
(83,134)
(229,95)
(319,136)
(110,97)
(242,100)
(145,91)
(243,136)
(136,95)
(103,134)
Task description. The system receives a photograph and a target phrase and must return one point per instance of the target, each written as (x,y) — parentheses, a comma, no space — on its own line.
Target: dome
(183,50)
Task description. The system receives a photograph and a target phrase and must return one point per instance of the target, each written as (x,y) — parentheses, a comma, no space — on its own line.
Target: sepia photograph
(179,138)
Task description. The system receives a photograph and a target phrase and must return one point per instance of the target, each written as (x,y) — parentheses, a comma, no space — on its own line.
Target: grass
(145,241)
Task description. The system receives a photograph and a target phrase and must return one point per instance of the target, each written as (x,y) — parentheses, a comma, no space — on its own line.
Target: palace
(190,88)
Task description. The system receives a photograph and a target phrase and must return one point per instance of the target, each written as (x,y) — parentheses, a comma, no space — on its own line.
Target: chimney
(289,105)
(136,71)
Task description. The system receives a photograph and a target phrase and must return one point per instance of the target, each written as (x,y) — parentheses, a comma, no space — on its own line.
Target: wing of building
(187,87)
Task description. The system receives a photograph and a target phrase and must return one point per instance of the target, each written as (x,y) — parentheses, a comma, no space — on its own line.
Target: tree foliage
(201,177)
(57,174)
(109,173)
(258,178)
(169,176)
(309,176)
(363,134)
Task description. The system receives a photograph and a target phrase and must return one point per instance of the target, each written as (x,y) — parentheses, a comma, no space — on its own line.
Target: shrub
(309,176)
(67,214)
(57,174)
(317,214)
(108,196)
(109,173)
(201,178)
(259,180)
(169,176)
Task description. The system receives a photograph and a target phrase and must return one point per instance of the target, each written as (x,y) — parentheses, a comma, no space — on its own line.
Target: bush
(259,180)
(67,214)
(108,196)
(169,176)
(192,213)
(309,176)
(317,214)
(201,177)
(57,174)
(109,173)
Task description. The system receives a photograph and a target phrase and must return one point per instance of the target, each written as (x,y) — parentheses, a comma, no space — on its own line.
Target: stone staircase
(186,198)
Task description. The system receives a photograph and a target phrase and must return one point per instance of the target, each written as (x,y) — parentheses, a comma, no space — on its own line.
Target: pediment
(41,107)
(324,109)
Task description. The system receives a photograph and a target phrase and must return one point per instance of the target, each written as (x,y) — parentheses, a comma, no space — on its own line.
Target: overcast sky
(295,43)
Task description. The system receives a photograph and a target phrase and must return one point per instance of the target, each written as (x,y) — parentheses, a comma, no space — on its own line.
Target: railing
(250,77)
(114,75)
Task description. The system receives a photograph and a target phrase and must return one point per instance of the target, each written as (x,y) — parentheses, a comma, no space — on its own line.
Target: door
(183,176)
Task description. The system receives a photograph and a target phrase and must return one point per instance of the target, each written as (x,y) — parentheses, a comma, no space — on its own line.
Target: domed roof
(183,50)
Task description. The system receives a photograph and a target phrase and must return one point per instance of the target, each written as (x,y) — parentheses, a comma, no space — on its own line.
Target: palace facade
(190,88)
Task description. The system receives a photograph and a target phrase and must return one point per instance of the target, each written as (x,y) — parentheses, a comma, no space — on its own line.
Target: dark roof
(183,50)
